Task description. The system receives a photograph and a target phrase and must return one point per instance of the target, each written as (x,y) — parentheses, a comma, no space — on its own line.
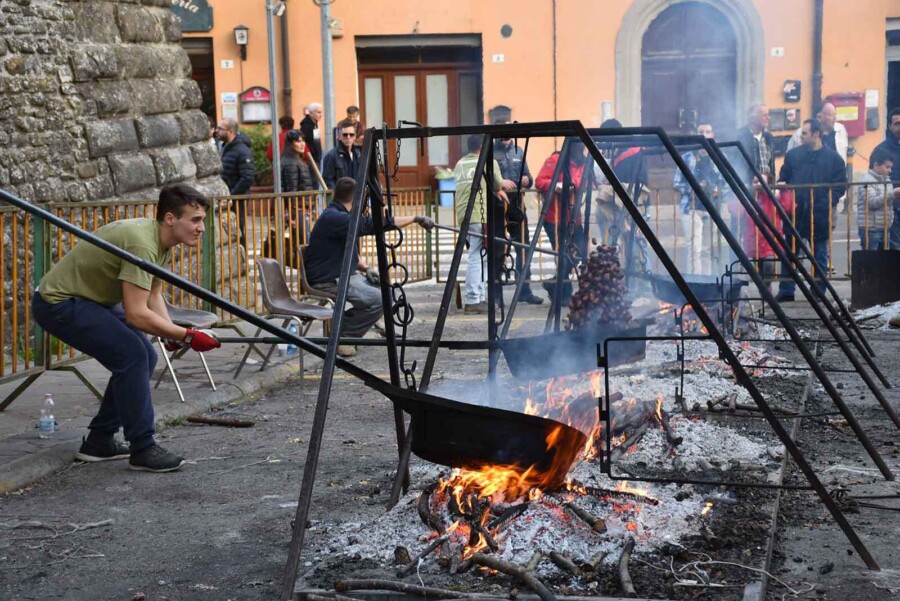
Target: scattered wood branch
(596,559)
(228,422)
(510,569)
(535,560)
(608,492)
(269,459)
(624,576)
(563,562)
(343,586)
(414,563)
(598,524)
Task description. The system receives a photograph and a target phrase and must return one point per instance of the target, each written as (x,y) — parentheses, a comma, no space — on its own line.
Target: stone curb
(46,460)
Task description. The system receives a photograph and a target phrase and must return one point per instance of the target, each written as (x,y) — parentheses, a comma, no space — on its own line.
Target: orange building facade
(645,62)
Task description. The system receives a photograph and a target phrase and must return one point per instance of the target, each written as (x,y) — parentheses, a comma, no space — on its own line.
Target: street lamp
(241,37)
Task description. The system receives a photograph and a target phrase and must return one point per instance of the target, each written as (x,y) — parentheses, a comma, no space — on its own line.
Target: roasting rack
(408,389)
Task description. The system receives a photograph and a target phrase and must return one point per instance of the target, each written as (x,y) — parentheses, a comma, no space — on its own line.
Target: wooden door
(689,61)
(434,96)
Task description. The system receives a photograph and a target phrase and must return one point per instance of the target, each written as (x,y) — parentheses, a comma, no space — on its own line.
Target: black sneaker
(91,452)
(782,297)
(531,298)
(155,459)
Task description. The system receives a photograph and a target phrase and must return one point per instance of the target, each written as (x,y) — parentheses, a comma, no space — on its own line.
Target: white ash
(703,441)
(879,315)
(544,526)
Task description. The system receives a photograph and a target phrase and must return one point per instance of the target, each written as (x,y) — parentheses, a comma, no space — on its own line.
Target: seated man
(325,255)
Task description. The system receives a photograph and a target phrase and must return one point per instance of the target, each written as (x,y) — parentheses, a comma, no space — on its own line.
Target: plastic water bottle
(292,348)
(47,423)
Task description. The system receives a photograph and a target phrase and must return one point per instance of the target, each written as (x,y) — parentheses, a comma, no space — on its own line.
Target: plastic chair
(305,288)
(186,318)
(279,304)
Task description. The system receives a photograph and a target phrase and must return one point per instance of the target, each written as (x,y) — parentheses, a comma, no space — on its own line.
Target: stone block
(194,126)
(96,22)
(100,187)
(76,192)
(171,26)
(49,190)
(159,3)
(105,137)
(136,61)
(173,165)
(86,170)
(191,98)
(94,61)
(206,157)
(111,97)
(132,171)
(158,130)
(137,24)
(155,96)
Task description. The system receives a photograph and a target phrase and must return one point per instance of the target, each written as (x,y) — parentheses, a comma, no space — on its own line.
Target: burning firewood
(594,522)
(629,442)
(424,509)
(414,562)
(600,298)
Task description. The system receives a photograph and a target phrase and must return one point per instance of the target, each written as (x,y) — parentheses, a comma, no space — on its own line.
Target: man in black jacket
(343,159)
(812,163)
(238,172)
(516,178)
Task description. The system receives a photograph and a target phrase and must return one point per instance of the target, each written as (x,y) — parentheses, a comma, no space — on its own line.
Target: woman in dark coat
(296,176)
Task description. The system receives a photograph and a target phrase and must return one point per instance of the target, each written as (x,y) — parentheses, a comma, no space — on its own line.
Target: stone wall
(97,103)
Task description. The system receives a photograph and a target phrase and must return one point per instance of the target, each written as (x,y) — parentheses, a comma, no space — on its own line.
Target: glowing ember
(706,508)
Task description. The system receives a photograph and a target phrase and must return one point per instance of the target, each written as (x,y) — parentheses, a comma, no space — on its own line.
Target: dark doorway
(200,52)
(689,62)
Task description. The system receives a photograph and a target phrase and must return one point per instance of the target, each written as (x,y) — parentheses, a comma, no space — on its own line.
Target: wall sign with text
(196,15)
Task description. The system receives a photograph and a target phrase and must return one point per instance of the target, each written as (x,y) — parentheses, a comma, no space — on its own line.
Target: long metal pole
(276,146)
(318,426)
(327,76)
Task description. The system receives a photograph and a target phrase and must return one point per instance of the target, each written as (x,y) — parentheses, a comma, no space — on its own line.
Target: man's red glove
(172,345)
(201,340)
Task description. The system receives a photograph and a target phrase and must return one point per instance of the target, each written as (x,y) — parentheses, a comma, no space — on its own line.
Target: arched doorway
(689,69)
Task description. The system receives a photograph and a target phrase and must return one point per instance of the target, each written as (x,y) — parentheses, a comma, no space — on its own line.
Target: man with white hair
(311,133)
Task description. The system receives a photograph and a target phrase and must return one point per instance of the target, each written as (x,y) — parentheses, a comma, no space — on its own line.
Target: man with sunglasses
(343,159)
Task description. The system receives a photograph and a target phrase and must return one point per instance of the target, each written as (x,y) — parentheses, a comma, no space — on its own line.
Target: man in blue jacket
(812,163)
(238,172)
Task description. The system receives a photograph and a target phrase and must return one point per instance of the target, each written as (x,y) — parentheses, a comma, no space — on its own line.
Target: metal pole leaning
(318,426)
(788,222)
(727,354)
(852,332)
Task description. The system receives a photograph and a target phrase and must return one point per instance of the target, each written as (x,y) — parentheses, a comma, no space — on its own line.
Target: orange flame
(706,508)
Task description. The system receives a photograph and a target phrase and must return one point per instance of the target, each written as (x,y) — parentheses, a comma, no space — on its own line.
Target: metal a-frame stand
(371,191)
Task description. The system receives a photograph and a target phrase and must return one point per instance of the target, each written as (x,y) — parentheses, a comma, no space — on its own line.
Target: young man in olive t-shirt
(104,306)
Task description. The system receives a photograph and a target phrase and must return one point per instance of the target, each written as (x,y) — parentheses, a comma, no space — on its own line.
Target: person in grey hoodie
(874,201)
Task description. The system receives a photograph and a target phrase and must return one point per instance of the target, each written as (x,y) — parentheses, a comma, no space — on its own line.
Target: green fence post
(208,253)
(40,245)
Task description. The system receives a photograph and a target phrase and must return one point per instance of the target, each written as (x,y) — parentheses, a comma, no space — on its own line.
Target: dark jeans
(820,252)
(518,232)
(102,333)
(875,239)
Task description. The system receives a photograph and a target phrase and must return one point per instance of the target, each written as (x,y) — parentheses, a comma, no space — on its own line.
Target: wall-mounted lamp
(241,37)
